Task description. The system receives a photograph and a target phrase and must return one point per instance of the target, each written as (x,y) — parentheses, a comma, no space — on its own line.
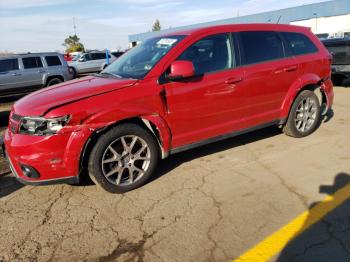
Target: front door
(10,75)
(211,103)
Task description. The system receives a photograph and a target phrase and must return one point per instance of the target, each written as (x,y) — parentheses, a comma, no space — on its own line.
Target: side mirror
(82,59)
(181,70)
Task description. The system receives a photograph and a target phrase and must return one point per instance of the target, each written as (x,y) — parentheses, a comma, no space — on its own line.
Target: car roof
(234,27)
(9,56)
(336,41)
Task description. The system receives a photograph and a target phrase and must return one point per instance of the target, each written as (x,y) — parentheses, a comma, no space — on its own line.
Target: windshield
(137,62)
(75,58)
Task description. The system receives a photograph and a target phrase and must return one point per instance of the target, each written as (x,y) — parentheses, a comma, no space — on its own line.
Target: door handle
(41,71)
(291,68)
(234,80)
(280,70)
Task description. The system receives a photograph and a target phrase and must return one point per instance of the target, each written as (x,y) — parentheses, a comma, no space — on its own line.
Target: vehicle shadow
(8,185)
(327,239)
(173,161)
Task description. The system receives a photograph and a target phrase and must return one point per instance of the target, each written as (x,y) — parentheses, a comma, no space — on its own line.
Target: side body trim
(225,136)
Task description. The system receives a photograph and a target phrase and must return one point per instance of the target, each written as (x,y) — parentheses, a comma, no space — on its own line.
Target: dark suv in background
(23,73)
(340,49)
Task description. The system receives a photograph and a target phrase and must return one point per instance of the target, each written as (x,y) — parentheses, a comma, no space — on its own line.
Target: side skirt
(226,136)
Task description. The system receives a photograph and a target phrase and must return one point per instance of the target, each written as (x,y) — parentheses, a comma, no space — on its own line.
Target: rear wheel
(74,72)
(123,159)
(304,116)
(54,81)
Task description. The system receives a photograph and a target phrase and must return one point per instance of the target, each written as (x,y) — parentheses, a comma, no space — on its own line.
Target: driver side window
(210,54)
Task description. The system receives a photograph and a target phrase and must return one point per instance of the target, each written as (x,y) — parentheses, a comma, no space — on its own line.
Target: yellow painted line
(274,243)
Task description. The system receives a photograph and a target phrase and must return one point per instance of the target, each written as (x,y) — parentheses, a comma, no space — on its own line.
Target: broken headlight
(42,126)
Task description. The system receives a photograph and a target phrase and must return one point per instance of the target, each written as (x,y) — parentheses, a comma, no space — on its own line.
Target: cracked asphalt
(208,204)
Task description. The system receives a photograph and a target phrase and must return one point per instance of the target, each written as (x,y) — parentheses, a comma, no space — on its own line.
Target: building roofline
(297,13)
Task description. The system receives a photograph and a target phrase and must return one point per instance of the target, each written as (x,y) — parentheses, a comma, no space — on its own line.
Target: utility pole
(316,16)
(74,26)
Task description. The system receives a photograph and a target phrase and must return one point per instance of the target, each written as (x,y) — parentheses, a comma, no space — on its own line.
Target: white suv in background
(91,62)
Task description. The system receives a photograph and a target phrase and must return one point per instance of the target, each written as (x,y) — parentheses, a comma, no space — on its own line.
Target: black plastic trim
(68,180)
(226,136)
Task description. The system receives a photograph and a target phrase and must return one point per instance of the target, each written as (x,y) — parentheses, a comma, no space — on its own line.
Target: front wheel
(304,116)
(123,159)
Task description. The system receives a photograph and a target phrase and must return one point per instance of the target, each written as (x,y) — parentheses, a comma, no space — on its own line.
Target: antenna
(278,21)
(74,26)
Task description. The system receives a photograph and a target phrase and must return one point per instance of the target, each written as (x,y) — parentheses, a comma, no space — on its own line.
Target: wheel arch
(49,78)
(307,82)
(153,123)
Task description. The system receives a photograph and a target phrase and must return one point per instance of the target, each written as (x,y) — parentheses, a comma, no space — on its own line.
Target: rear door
(10,75)
(268,74)
(33,71)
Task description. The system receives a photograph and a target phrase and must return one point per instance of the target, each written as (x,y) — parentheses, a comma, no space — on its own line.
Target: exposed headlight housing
(41,126)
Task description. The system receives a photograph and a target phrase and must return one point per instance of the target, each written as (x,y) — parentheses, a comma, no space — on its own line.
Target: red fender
(307,79)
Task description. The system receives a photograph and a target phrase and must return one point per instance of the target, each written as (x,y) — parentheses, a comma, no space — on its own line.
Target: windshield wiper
(106,74)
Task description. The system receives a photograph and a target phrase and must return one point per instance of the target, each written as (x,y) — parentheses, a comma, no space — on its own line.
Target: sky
(42,25)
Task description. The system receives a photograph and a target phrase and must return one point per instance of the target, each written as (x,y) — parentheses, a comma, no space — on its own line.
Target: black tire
(74,72)
(96,168)
(291,126)
(54,81)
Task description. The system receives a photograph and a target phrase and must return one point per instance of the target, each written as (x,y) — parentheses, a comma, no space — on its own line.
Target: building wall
(334,25)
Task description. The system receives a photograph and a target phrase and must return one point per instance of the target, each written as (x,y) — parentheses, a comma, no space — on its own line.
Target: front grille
(16,117)
(14,122)
(13,129)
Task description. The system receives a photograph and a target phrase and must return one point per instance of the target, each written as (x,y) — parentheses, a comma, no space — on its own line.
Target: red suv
(169,94)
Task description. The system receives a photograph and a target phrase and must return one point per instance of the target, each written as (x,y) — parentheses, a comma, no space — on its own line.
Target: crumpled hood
(40,102)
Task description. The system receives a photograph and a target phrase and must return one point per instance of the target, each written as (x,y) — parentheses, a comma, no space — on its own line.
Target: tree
(72,44)
(156,26)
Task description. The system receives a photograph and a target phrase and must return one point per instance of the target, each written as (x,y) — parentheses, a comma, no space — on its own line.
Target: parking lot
(209,204)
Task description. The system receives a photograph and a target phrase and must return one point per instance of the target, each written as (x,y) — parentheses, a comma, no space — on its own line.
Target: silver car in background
(23,73)
(91,62)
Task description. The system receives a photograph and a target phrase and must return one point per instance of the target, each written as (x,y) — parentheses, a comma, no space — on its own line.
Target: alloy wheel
(305,115)
(126,160)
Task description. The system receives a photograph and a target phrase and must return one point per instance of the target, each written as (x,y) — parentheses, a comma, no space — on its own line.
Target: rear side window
(260,46)
(210,54)
(98,56)
(8,65)
(299,44)
(32,62)
(53,61)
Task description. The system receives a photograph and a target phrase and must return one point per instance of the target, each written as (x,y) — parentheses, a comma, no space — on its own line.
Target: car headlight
(42,126)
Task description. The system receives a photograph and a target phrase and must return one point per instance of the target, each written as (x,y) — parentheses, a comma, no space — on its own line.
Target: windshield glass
(137,62)
(75,58)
